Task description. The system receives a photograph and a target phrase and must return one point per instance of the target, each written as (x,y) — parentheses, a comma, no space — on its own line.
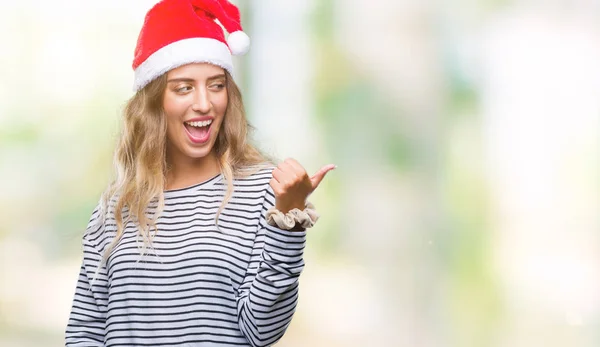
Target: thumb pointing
(318,177)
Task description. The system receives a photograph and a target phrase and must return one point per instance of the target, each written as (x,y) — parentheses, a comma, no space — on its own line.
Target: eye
(217,86)
(183,89)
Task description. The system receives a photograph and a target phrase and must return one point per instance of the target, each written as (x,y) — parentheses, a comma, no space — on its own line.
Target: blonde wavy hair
(140,158)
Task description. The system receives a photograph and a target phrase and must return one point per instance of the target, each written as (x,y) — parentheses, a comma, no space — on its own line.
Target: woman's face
(195,101)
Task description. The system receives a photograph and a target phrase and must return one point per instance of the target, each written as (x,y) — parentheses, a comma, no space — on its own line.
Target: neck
(185,171)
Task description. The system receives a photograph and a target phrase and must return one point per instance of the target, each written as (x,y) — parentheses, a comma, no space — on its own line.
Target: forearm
(87,319)
(267,307)
(80,336)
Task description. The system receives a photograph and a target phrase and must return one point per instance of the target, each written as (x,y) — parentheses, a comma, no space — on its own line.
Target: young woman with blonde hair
(199,240)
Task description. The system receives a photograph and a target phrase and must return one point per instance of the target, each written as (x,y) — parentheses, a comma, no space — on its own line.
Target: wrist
(297,227)
(296,219)
(287,208)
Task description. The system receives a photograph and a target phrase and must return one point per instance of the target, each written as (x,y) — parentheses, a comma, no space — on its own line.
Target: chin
(197,153)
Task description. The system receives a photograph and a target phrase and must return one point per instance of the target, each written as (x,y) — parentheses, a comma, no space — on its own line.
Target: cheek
(172,119)
(173,111)
(221,104)
(171,114)
(171,106)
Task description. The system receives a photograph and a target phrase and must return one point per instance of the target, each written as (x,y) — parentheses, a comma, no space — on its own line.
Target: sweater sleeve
(268,295)
(87,319)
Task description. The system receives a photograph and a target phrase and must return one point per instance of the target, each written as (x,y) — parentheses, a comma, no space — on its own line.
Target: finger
(282,174)
(278,174)
(318,177)
(288,173)
(298,168)
(275,185)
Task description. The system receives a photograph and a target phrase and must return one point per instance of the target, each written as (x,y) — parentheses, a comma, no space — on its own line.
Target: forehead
(196,71)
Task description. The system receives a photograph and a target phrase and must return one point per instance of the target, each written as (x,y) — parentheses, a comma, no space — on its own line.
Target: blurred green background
(464,210)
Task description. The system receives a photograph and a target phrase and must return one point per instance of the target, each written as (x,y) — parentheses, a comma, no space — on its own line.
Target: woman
(199,240)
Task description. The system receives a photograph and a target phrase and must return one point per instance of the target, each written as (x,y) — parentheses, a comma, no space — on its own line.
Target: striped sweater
(197,286)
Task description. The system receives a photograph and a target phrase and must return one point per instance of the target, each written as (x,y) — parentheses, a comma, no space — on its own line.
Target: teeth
(200,124)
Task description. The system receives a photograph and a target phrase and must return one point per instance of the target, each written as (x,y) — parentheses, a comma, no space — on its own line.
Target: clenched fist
(292,185)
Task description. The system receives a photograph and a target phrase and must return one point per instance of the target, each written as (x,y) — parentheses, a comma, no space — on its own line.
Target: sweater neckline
(204,184)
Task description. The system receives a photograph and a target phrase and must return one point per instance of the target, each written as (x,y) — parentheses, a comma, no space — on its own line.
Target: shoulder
(259,179)
(102,217)
(95,222)
(256,175)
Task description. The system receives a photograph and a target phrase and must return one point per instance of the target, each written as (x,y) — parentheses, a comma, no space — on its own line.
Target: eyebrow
(187,79)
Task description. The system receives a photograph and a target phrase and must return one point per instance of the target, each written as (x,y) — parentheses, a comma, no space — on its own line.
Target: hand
(292,186)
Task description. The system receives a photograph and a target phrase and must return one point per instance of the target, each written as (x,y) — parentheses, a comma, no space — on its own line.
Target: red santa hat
(179,32)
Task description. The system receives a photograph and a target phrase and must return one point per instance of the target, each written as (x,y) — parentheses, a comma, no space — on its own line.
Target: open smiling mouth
(198,132)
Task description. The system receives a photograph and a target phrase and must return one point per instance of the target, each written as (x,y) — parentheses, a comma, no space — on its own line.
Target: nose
(202,102)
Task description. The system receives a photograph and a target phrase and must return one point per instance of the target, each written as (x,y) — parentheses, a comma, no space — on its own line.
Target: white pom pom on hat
(179,32)
(239,43)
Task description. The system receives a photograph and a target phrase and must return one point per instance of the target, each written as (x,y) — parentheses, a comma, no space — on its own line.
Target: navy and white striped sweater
(198,286)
